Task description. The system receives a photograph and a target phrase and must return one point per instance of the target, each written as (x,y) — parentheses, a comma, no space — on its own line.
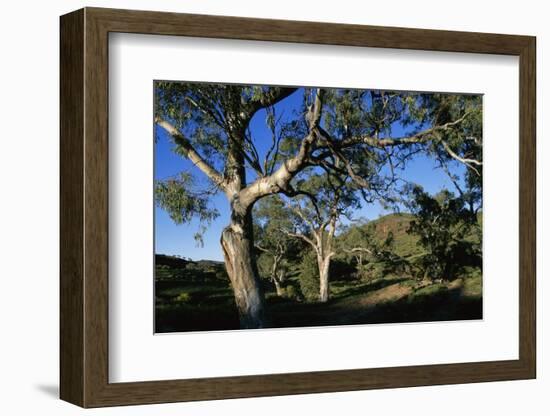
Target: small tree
(322,199)
(309,276)
(374,258)
(277,249)
(443,222)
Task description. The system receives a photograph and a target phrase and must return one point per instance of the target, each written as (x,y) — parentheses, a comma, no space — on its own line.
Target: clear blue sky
(178,239)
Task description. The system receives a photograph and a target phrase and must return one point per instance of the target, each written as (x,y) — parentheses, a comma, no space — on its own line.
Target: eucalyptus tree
(443,223)
(374,257)
(321,200)
(356,242)
(210,125)
(278,250)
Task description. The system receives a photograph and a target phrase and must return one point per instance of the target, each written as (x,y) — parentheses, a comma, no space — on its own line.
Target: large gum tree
(210,125)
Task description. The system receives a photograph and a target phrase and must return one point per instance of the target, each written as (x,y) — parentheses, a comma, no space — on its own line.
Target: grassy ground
(209,305)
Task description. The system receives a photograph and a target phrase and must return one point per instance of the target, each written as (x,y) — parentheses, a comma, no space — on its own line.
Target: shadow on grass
(212,307)
(364,288)
(441,305)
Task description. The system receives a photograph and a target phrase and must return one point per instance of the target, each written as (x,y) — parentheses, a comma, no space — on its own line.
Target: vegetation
(195,296)
(291,191)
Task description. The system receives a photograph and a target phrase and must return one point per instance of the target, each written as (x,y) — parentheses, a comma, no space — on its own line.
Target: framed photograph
(256,207)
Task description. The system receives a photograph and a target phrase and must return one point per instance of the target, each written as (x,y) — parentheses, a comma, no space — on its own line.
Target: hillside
(197,295)
(405,244)
(177,268)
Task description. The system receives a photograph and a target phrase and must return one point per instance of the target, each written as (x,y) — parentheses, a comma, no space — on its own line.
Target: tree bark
(324,266)
(278,287)
(277,275)
(237,245)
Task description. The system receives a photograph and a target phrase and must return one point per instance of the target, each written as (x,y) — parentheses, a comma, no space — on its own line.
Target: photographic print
(280,207)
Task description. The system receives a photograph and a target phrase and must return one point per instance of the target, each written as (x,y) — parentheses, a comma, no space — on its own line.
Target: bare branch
(269,163)
(451,177)
(420,137)
(265,250)
(271,97)
(303,237)
(297,210)
(358,250)
(279,180)
(191,153)
(291,193)
(216,117)
(465,161)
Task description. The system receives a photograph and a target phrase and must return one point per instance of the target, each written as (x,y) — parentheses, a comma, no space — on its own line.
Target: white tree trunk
(324,266)
(237,243)
(278,287)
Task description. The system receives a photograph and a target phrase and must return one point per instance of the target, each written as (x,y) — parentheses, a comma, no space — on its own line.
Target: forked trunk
(237,243)
(277,275)
(324,266)
(278,287)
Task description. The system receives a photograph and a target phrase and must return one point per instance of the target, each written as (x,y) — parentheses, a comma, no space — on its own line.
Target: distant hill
(172,267)
(171,261)
(405,244)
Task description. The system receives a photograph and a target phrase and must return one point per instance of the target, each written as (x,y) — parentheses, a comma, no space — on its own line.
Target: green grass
(209,305)
(473,286)
(196,296)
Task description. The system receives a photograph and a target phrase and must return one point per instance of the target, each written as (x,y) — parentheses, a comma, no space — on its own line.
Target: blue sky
(178,239)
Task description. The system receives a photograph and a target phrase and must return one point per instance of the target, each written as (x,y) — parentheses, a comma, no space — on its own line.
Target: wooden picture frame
(84,207)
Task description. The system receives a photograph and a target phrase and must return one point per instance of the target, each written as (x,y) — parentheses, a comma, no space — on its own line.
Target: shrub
(309,277)
(183,297)
(340,269)
(291,292)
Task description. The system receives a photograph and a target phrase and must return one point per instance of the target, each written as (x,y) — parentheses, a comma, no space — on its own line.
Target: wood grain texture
(71,213)
(84,205)
(527,207)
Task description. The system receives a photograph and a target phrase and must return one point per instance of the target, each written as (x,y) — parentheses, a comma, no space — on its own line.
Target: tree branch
(267,99)
(217,118)
(358,250)
(303,237)
(259,247)
(465,161)
(420,137)
(279,180)
(191,153)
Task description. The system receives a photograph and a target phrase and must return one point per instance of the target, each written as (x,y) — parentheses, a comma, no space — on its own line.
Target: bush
(340,269)
(183,297)
(373,271)
(291,292)
(309,277)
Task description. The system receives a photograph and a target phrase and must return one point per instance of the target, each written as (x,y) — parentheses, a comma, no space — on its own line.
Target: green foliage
(291,292)
(371,247)
(176,197)
(277,252)
(341,269)
(332,195)
(170,268)
(443,223)
(309,276)
(183,297)
(207,303)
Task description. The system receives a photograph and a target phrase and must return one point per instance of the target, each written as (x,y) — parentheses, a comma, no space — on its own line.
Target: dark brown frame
(84,208)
